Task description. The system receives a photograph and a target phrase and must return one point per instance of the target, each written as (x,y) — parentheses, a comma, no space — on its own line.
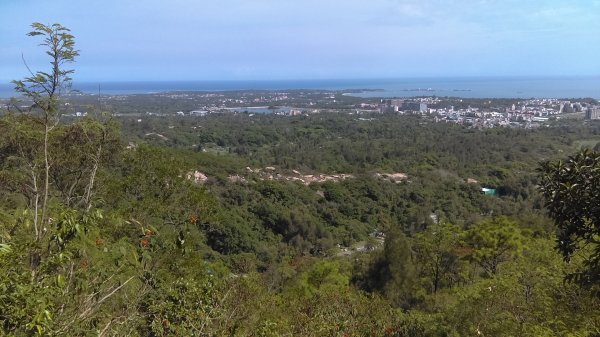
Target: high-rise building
(592,112)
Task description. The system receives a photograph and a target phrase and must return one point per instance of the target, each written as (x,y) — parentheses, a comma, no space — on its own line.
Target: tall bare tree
(44,89)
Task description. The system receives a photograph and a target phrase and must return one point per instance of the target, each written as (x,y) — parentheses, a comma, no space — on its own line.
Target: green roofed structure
(489,191)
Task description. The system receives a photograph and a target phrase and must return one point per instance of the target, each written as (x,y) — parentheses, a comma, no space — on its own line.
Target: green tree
(494,241)
(526,297)
(571,189)
(325,276)
(399,272)
(80,150)
(435,250)
(44,88)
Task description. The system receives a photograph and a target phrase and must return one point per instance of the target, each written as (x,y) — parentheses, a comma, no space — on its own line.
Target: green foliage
(399,272)
(436,250)
(338,142)
(571,192)
(323,276)
(184,308)
(78,151)
(150,185)
(525,298)
(493,242)
(74,282)
(44,88)
(391,272)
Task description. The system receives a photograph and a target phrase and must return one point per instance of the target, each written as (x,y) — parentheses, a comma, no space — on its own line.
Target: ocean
(474,87)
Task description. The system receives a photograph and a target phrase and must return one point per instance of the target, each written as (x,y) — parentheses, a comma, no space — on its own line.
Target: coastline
(465,87)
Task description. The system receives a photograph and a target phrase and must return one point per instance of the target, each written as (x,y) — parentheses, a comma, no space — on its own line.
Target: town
(469,112)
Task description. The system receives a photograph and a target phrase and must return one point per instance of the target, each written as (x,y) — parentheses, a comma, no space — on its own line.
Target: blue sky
(309,39)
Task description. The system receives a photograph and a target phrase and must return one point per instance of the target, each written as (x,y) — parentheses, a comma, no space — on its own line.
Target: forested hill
(350,143)
(206,231)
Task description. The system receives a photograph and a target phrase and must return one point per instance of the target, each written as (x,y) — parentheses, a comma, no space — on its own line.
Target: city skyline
(281,40)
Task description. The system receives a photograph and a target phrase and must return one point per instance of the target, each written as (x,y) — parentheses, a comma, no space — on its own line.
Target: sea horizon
(464,87)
